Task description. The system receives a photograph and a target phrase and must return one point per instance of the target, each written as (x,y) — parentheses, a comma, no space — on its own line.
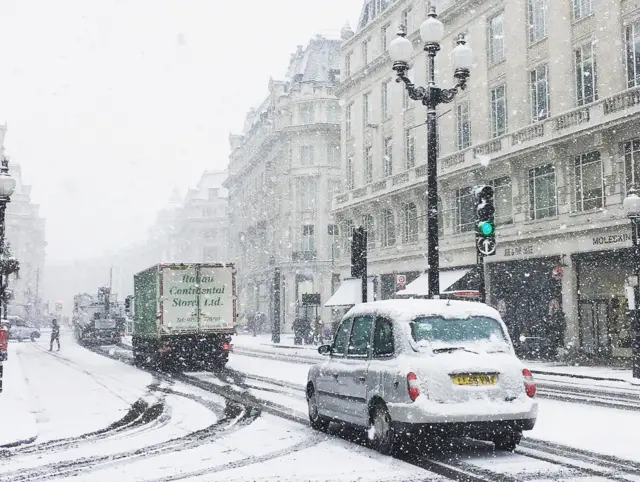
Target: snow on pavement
(19,423)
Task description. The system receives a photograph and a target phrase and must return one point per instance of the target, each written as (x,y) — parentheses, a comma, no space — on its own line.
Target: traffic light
(127,304)
(358,252)
(485,222)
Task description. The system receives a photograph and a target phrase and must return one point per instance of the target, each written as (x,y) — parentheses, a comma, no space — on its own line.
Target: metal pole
(483,291)
(3,305)
(433,255)
(275,333)
(363,273)
(635,347)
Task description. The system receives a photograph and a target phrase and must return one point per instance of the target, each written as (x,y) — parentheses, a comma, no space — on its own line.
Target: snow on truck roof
(408,310)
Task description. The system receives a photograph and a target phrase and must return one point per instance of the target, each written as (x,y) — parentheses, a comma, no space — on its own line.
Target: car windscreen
(438,331)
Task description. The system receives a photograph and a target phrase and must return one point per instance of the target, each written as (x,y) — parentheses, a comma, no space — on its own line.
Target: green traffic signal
(486,228)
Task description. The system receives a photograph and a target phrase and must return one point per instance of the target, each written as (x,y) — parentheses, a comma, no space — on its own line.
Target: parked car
(433,368)
(21,330)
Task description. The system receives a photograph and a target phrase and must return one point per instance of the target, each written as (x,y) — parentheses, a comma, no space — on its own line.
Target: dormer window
(373,9)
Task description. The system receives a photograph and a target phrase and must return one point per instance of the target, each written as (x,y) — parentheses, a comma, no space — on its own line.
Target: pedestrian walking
(55,334)
(319,331)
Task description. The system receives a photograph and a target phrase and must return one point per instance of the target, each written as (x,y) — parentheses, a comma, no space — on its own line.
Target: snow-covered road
(102,420)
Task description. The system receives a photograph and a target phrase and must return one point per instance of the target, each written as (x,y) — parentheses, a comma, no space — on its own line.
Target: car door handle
(362,378)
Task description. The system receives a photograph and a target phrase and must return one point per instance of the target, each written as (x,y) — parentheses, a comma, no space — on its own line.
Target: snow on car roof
(408,310)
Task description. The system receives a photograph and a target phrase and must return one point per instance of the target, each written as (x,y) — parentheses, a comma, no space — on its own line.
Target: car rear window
(456,330)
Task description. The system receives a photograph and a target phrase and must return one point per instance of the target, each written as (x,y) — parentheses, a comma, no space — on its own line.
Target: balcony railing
(614,109)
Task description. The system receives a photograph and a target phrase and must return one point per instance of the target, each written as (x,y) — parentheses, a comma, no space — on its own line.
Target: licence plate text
(474,380)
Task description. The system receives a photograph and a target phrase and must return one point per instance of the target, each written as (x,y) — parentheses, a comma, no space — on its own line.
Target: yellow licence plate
(475,380)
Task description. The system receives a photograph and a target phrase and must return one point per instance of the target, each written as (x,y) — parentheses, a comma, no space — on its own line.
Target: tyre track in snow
(562,461)
(580,463)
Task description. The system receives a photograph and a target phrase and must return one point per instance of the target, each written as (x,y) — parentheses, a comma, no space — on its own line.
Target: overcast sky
(110,104)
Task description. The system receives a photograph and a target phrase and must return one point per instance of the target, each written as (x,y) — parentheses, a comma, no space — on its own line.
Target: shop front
(604,328)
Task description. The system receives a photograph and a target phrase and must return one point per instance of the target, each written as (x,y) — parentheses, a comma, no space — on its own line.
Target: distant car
(21,330)
(423,367)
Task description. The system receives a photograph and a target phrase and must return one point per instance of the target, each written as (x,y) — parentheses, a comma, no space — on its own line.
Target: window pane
(383,338)
(360,340)
(340,340)
(496,38)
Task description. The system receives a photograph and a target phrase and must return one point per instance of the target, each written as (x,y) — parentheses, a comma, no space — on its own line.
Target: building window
(406,100)
(465,209)
(586,81)
(463,125)
(351,178)
(386,99)
(365,52)
(496,39)
(542,192)
(306,114)
(368,165)
(367,110)
(539,87)
(388,228)
(307,194)
(410,149)
(347,234)
(407,20)
(333,154)
(347,64)
(632,41)
(333,188)
(503,200)
(582,8)
(589,181)
(387,158)
(499,111)
(207,212)
(333,114)
(213,193)
(369,226)
(308,240)
(306,155)
(632,162)
(385,37)
(348,118)
(537,20)
(410,233)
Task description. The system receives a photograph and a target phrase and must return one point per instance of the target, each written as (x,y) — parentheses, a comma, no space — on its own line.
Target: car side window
(383,338)
(360,340)
(340,340)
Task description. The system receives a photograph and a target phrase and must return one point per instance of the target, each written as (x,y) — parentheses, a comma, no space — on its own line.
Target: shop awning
(349,293)
(420,286)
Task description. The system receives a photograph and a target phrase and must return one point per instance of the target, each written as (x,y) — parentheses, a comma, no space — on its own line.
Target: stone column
(570,303)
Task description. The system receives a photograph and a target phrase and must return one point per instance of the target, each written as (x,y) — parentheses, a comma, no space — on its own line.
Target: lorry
(184,315)
(94,320)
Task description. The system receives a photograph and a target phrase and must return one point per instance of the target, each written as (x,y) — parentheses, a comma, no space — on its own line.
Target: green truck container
(185,315)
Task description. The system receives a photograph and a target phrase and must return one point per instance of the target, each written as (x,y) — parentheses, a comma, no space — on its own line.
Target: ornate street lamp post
(400,51)
(8,264)
(631,205)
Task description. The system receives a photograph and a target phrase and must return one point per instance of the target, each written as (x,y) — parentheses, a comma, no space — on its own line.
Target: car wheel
(33,337)
(508,440)
(381,430)
(317,421)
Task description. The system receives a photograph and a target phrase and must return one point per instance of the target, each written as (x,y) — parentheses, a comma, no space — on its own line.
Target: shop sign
(611,239)
(518,251)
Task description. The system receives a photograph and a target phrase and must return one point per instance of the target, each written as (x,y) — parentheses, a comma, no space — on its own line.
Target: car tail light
(225,347)
(412,386)
(529,383)
(4,339)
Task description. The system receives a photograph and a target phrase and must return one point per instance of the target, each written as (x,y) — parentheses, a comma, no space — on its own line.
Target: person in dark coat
(55,334)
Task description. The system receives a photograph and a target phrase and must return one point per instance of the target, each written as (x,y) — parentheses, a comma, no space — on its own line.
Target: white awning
(349,293)
(420,286)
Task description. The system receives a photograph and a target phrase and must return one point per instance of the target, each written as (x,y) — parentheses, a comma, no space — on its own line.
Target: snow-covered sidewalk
(263,343)
(19,425)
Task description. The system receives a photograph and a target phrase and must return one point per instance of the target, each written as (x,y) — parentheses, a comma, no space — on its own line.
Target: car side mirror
(523,338)
(324,349)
